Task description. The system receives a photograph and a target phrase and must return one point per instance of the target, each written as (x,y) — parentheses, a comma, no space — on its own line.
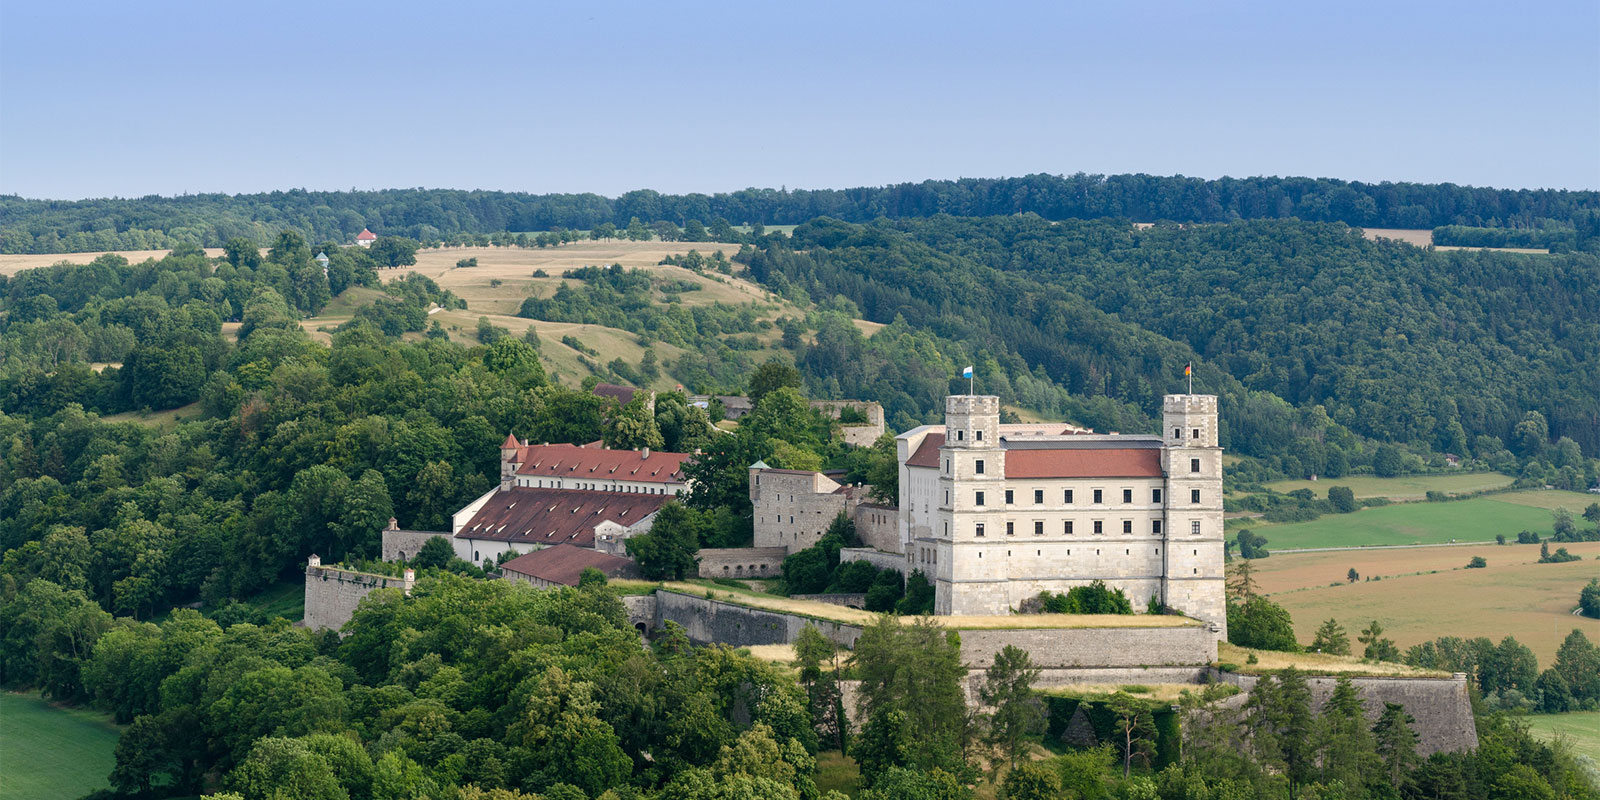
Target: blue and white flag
(966,373)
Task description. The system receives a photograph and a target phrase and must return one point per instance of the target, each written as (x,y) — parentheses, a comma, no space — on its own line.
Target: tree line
(209,220)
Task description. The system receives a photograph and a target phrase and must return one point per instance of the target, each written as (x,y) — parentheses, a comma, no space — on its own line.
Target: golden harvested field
(1420,238)
(11,264)
(1514,595)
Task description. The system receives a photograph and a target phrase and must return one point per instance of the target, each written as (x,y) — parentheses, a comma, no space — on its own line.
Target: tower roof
(365,235)
(510,443)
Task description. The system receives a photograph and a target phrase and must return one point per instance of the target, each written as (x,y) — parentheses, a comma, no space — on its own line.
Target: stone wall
(876,558)
(1067,655)
(792,509)
(742,562)
(332,594)
(859,435)
(847,599)
(403,545)
(1440,706)
(878,526)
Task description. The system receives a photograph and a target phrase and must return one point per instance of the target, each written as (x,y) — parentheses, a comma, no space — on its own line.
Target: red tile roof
(1118,462)
(510,443)
(594,463)
(365,235)
(564,563)
(553,516)
(1075,462)
(927,454)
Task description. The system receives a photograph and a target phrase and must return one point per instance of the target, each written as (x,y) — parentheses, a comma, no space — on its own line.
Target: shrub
(1477,562)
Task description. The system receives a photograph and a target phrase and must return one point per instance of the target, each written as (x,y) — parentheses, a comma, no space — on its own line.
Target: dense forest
(209,220)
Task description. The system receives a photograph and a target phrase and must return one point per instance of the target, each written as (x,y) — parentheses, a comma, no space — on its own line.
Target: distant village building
(995,514)
(734,407)
(365,238)
(322,258)
(563,565)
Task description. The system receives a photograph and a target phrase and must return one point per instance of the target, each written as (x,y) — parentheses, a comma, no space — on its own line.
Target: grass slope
(1475,520)
(48,752)
(1580,728)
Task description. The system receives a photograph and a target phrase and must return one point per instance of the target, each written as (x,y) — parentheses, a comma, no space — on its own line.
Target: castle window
(1066,497)
(979,499)
(1097,496)
(979,530)
(977,435)
(1127,495)
(1195,434)
(1194,465)
(1155,527)
(1038,496)
(1127,526)
(1038,527)
(1194,529)
(1011,528)
(1177,433)
(961,436)
(947,497)
(475,556)
(1099,526)
(1194,495)
(1068,526)
(978,466)
(1008,497)
(1155,495)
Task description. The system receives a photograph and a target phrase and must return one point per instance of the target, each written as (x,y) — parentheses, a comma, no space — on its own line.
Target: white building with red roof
(995,514)
(365,238)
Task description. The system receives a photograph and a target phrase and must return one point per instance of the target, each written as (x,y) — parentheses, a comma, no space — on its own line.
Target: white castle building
(995,514)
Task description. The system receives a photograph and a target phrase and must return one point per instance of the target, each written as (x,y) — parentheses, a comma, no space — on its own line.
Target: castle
(995,514)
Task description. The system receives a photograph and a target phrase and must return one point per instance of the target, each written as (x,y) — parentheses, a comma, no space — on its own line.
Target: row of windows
(1099,527)
(1038,496)
(978,467)
(601,487)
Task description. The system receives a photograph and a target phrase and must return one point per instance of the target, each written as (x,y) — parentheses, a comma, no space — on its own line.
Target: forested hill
(210,220)
(1432,349)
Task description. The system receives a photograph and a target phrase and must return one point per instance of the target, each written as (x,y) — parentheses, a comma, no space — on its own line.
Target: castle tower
(509,450)
(969,573)
(1192,460)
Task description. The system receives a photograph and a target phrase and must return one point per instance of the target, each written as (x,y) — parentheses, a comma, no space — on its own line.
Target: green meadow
(1476,520)
(1580,728)
(48,752)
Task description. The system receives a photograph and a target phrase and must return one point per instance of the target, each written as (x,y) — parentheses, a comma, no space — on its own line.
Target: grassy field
(838,772)
(1513,596)
(167,420)
(1319,663)
(1475,520)
(48,752)
(1411,487)
(1580,728)
(11,263)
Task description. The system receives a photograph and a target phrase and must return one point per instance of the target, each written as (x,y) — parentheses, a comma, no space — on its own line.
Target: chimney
(646,453)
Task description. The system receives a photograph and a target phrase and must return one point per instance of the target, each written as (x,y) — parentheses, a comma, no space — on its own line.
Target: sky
(130,99)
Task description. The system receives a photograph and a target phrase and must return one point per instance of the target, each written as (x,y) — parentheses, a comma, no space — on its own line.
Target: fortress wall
(333,594)
(1070,655)
(1070,648)
(741,562)
(876,558)
(1440,706)
(403,545)
(878,526)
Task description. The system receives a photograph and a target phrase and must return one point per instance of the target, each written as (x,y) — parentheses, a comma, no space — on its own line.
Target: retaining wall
(717,621)
(1440,706)
(403,545)
(741,562)
(876,558)
(849,599)
(332,594)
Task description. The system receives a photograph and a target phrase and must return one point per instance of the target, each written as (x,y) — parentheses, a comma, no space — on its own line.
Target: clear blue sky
(134,98)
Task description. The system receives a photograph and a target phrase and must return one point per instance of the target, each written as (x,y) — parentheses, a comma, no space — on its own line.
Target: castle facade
(995,514)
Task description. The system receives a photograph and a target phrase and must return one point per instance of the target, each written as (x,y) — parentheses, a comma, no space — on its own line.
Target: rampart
(878,526)
(742,562)
(1440,706)
(876,558)
(848,599)
(401,545)
(332,594)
